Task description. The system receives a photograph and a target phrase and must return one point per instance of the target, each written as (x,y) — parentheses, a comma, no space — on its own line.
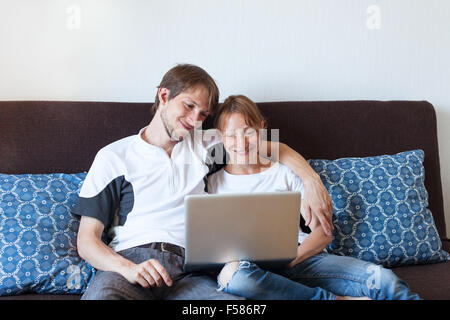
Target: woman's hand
(313,244)
(297,259)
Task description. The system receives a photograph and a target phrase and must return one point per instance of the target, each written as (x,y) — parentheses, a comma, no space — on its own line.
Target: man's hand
(149,273)
(317,201)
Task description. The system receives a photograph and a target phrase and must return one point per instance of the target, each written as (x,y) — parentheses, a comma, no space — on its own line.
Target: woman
(313,274)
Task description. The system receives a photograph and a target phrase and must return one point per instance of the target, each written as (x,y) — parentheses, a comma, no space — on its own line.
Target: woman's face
(240,140)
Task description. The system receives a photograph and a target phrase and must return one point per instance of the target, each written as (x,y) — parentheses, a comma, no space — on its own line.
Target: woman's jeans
(320,277)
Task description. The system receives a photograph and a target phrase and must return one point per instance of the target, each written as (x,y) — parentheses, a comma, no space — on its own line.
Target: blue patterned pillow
(380,209)
(38,235)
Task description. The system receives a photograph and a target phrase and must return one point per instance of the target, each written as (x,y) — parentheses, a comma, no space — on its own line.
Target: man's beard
(169,130)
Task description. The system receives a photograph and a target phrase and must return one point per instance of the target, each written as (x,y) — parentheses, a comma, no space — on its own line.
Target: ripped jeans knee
(229,271)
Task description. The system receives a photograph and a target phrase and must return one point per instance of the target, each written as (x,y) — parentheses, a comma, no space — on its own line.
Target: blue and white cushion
(38,235)
(380,209)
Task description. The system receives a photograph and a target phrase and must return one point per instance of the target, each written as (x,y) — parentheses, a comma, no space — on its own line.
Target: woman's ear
(263,124)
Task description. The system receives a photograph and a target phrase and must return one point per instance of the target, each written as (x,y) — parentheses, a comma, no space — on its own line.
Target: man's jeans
(195,286)
(320,277)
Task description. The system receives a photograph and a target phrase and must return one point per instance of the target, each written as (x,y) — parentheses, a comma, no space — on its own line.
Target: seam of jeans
(363,282)
(336,276)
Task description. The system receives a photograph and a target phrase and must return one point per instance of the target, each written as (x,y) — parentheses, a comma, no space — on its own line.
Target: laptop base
(272,265)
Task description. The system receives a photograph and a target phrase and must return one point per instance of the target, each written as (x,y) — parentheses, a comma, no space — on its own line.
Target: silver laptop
(260,227)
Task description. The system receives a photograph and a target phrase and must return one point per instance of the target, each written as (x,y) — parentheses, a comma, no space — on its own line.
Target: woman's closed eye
(246,132)
(249,132)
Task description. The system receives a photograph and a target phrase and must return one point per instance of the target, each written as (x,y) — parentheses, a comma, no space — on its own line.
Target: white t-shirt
(137,191)
(276,178)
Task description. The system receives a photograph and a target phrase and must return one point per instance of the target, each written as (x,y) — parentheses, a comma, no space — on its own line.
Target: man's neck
(156,135)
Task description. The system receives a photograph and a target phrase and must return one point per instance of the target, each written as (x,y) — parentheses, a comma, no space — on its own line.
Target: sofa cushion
(430,281)
(38,235)
(381,212)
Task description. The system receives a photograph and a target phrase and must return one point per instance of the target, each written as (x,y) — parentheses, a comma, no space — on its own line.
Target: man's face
(185,112)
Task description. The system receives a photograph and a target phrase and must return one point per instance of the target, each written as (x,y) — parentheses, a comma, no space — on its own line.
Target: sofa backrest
(58,136)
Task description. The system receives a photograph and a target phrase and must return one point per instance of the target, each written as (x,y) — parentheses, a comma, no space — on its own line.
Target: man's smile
(185,126)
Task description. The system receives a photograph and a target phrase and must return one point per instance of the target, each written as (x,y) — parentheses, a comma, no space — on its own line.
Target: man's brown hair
(239,104)
(183,77)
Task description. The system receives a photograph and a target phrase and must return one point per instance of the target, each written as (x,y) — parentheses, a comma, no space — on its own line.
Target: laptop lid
(260,227)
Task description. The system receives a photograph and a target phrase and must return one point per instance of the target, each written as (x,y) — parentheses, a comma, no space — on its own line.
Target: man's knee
(227,273)
(108,285)
(106,293)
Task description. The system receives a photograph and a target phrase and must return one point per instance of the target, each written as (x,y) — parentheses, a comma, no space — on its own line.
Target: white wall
(118,50)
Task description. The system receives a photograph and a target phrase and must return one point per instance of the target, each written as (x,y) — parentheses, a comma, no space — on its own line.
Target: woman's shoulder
(294,181)
(281,169)
(213,180)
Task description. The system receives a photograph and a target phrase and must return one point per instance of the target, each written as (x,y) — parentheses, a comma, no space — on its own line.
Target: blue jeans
(108,285)
(320,277)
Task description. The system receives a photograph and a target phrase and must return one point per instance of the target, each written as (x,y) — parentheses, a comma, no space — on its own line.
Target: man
(134,193)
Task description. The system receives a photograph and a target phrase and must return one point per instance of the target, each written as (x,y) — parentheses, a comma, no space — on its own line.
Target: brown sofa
(58,136)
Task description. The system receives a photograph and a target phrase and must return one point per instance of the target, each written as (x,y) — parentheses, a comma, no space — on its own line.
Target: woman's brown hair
(239,104)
